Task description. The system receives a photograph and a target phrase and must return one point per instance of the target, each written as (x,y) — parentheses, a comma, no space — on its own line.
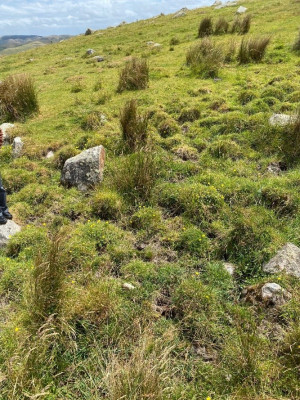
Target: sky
(46,17)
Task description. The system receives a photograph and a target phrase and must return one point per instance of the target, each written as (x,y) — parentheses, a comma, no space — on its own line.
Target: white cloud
(46,17)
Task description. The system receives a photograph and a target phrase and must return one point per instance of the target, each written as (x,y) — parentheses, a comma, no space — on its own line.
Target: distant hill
(15,43)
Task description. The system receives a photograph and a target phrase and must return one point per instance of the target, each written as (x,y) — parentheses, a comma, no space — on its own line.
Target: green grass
(169,212)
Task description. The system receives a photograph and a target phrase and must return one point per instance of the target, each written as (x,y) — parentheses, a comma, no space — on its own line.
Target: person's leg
(3,206)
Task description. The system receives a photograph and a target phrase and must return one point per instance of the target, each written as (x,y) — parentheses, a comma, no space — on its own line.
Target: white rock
(281,119)
(286,260)
(157,45)
(17,147)
(5,128)
(84,170)
(241,10)
(270,289)
(50,154)
(230,268)
(7,231)
(128,286)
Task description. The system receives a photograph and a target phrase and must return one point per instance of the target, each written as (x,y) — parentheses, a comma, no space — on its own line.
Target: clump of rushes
(205,58)
(18,98)
(253,49)
(241,26)
(205,27)
(134,126)
(245,24)
(221,26)
(46,289)
(134,76)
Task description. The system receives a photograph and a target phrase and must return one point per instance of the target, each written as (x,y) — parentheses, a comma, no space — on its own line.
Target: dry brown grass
(134,76)
(18,98)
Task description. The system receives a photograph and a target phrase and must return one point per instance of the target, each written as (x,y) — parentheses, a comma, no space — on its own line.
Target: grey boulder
(286,260)
(98,58)
(90,52)
(84,170)
(7,231)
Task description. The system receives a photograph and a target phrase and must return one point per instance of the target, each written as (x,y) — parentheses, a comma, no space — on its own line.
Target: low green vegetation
(121,292)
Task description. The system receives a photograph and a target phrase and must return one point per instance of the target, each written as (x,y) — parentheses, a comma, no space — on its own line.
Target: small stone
(7,231)
(128,286)
(281,120)
(274,168)
(241,10)
(230,268)
(50,154)
(90,52)
(98,58)
(150,43)
(17,147)
(286,260)
(274,294)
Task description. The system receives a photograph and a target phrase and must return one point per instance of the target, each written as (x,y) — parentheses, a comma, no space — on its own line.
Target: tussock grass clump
(135,175)
(134,126)
(241,25)
(221,26)
(253,49)
(46,290)
(18,98)
(205,27)
(296,46)
(134,76)
(205,58)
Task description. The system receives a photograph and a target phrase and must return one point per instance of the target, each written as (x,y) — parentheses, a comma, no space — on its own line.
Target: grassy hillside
(164,220)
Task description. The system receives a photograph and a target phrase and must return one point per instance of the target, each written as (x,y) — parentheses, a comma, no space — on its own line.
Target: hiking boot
(6,214)
(3,220)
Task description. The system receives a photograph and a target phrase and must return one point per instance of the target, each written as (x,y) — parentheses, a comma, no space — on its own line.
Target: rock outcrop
(286,260)
(241,10)
(7,231)
(84,170)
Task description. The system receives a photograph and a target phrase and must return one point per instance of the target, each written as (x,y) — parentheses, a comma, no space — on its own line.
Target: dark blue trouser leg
(3,204)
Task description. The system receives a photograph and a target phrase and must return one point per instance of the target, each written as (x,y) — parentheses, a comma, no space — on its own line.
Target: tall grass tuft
(18,98)
(241,25)
(46,286)
(135,175)
(205,27)
(134,126)
(245,25)
(205,58)
(221,26)
(253,49)
(134,76)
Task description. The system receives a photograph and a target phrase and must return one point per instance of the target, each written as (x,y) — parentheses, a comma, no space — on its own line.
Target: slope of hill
(16,43)
(121,292)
